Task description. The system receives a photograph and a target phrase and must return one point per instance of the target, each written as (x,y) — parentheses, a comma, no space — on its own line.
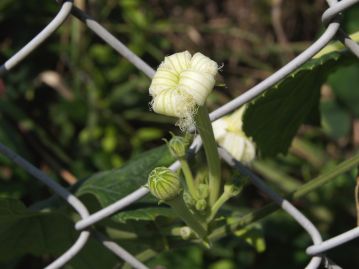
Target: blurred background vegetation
(75,107)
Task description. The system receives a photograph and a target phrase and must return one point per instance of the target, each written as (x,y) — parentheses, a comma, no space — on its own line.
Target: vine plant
(180,88)
(264,127)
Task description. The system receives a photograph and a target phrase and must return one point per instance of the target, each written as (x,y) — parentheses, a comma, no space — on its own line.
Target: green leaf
(23,231)
(93,256)
(273,118)
(110,186)
(144,214)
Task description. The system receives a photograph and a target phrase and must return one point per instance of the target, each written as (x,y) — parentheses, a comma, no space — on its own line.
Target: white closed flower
(181,84)
(229,135)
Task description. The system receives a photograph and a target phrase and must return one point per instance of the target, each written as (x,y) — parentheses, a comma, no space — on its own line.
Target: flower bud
(164,184)
(201,205)
(185,232)
(178,146)
(203,191)
(188,199)
(230,190)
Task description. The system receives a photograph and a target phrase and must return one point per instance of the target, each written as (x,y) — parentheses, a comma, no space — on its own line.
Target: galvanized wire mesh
(67,8)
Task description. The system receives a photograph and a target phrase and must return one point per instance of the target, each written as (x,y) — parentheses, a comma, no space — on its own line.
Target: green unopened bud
(231,190)
(164,184)
(185,232)
(190,202)
(178,146)
(201,205)
(203,191)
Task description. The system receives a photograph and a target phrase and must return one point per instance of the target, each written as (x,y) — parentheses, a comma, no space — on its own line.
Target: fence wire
(330,19)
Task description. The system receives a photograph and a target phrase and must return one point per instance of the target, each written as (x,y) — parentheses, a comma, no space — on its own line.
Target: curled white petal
(234,144)
(240,147)
(229,135)
(163,79)
(178,62)
(196,84)
(173,103)
(235,120)
(219,128)
(201,63)
(249,153)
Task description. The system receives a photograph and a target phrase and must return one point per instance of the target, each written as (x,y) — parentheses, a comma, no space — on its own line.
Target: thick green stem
(188,177)
(182,211)
(204,126)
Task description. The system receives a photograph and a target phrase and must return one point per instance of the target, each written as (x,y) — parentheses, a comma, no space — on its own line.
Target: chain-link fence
(317,251)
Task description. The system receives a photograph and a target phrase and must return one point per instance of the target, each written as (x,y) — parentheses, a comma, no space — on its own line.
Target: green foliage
(343,82)
(110,186)
(335,119)
(143,214)
(274,118)
(102,120)
(24,231)
(93,256)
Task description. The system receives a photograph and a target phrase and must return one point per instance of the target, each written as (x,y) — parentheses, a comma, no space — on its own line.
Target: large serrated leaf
(24,231)
(110,186)
(273,119)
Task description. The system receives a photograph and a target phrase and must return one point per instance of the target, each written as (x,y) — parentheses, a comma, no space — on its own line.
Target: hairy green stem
(272,207)
(204,126)
(182,211)
(188,177)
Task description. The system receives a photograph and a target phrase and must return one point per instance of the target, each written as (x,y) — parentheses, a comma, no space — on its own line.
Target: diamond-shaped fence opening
(67,8)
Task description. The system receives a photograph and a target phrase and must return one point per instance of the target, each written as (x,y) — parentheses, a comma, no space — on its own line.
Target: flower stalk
(182,211)
(205,130)
(178,147)
(229,192)
(188,178)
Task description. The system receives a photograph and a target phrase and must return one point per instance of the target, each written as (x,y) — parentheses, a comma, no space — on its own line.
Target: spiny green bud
(178,146)
(164,184)
(201,205)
